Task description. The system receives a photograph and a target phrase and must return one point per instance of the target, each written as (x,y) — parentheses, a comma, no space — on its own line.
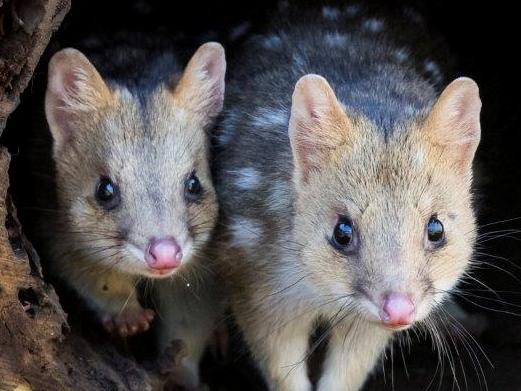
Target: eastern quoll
(344,172)
(134,195)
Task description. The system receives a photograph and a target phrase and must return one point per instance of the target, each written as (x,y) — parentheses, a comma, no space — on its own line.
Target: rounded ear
(74,88)
(201,87)
(454,122)
(317,124)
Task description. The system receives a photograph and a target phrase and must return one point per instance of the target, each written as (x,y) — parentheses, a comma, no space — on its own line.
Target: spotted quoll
(344,171)
(134,197)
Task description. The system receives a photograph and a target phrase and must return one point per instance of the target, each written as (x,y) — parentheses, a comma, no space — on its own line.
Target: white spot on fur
(433,70)
(410,110)
(267,117)
(245,232)
(330,13)
(247,178)
(224,138)
(352,10)
(336,39)
(419,158)
(272,42)
(431,66)
(401,55)
(374,25)
(227,132)
(299,61)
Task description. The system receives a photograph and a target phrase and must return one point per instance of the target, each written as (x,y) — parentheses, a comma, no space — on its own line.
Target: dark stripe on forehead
(144,104)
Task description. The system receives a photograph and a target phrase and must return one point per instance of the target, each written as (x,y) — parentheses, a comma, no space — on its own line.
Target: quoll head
(384,223)
(134,185)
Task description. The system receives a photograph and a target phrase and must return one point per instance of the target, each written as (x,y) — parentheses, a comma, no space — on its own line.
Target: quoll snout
(163,254)
(398,310)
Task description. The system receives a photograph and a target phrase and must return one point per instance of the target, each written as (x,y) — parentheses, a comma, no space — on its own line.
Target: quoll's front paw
(128,322)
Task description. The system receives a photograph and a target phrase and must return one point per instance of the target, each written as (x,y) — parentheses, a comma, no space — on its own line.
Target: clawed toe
(128,323)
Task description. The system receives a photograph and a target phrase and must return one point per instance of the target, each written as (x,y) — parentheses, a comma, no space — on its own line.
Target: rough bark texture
(37,350)
(25,29)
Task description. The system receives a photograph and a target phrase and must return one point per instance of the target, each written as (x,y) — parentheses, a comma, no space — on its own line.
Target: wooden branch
(37,349)
(25,29)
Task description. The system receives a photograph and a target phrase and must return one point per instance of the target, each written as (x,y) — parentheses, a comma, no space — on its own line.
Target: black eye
(107,193)
(193,188)
(343,235)
(435,231)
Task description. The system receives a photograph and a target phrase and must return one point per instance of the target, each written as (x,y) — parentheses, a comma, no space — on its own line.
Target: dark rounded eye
(435,231)
(343,233)
(193,188)
(107,193)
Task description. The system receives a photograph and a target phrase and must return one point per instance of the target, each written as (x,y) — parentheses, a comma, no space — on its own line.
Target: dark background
(484,41)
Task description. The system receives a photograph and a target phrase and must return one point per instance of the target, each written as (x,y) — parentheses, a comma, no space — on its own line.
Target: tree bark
(37,349)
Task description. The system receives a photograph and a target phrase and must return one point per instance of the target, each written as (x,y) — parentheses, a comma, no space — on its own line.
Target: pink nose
(163,253)
(397,310)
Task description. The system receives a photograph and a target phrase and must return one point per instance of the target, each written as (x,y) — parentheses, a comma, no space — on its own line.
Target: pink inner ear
(314,111)
(455,117)
(201,87)
(213,67)
(310,110)
(454,123)
(216,69)
(312,96)
(64,121)
(59,117)
(466,118)
(74,88)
